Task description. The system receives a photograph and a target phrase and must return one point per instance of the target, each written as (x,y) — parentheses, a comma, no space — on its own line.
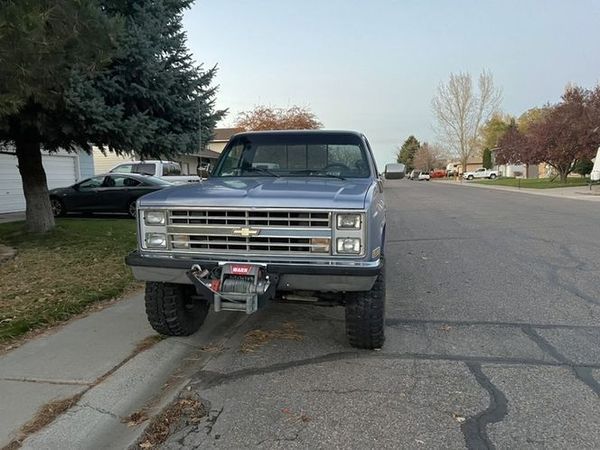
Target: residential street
(492,340)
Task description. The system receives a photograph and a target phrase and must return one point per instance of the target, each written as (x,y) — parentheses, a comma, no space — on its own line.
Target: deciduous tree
(427,157)
(268,118)
(460,111)
(562,136)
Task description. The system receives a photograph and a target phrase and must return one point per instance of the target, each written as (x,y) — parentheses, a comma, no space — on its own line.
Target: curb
(148,382)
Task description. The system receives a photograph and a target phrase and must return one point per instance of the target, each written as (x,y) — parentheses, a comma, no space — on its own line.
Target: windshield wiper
(261,170)
(318,173)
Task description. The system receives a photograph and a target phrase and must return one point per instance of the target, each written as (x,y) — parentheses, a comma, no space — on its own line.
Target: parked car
(312,227)
(424,176)
(167,170)
(112,192)
(438,173)
(480,173)
(414,174)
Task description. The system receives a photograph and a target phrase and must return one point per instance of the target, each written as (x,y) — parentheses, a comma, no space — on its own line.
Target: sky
(374,66)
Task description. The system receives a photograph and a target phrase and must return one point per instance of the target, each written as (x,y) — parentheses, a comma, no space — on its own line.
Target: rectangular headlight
(156,240)
(154,217)
(349,246)
(348,221)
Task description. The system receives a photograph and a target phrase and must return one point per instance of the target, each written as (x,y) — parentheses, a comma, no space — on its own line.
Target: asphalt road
(493,339)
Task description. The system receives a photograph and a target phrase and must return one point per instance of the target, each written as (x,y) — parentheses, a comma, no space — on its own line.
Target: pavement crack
(474,428)
(582,372)
(206,379)
(100,410)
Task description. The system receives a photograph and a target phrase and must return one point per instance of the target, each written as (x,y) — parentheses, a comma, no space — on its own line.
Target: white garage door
(60,171)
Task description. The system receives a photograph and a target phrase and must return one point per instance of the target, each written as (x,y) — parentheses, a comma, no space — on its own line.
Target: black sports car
(112,192)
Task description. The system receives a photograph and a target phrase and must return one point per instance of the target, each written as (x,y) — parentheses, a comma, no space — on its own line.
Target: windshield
(294,155)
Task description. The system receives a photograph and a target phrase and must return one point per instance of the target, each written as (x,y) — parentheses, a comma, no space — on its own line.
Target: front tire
(174,309)
(492,176)
(132,209)
(470,177)
(365,316)
(58,207)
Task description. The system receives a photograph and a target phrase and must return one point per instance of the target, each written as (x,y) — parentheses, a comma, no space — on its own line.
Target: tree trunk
(38,214)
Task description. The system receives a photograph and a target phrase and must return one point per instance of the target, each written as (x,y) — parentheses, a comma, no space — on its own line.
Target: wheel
(470,177)
(365,316)
(131,209)
(492,176)
(174,309)
(58,207)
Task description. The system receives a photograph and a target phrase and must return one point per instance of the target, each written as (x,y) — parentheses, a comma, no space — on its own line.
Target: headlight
(154,217)
(346,221)
(348,245)
(156,240)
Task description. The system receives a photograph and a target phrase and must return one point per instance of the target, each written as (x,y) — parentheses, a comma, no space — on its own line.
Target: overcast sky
(373,66)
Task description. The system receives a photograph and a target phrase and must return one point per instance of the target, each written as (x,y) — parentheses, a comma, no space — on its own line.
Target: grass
(57,275)
(535,183)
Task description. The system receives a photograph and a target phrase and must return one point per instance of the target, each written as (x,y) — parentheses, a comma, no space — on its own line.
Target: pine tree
(406,153)
(487,158)
(117,76)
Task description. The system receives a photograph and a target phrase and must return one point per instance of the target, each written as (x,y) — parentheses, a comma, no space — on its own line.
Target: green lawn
(57,275)
(535,183)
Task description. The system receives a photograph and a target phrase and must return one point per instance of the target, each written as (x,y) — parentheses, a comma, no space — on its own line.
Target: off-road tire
(365,316)
(174,309)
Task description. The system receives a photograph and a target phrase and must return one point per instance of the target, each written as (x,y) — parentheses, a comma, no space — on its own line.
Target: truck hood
(264,192)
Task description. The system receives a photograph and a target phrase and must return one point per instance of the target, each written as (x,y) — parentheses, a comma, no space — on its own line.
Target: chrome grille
(300,219)
(247,232)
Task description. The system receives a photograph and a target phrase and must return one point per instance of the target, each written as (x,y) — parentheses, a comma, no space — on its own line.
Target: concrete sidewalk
(99,358)
(573,193)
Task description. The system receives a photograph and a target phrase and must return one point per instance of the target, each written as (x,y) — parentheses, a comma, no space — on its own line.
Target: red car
(438,174)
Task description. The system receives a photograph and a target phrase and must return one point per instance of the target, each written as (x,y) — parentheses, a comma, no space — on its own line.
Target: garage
(61,170)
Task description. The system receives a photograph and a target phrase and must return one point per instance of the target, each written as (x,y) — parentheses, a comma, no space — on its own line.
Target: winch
(238,287)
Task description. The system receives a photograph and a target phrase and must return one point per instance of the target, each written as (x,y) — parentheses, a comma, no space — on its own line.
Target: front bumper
(333,276)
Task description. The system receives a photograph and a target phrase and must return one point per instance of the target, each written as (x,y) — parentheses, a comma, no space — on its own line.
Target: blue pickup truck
(285,215)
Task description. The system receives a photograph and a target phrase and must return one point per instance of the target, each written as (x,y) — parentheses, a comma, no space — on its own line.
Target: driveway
(492,339)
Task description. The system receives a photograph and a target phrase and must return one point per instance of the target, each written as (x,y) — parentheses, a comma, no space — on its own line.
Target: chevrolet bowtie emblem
(246,232)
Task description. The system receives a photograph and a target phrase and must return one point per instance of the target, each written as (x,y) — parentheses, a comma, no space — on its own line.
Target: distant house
(62,169)
(205,158)
(190,162)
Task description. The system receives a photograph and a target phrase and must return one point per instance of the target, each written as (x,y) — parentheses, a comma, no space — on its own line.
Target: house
(190,162)
(206,158)
(62,169)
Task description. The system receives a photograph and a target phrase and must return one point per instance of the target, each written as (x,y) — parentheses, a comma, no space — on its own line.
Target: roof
(207,154)
(308,132)
(224,134)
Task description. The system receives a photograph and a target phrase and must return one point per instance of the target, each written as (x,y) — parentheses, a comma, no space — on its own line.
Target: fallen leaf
(458,417)
(445,328)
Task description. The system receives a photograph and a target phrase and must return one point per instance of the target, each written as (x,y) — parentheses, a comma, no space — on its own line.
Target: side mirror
(395,171)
